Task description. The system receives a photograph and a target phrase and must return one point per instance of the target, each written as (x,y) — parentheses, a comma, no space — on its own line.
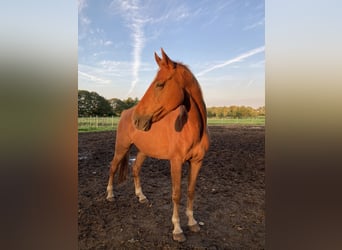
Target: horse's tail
(123,168)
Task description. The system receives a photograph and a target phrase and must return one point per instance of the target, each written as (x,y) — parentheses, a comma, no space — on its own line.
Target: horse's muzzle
(143,123)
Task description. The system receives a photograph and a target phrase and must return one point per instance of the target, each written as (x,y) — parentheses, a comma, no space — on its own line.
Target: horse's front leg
(136,169)
(193,173)
(176,174)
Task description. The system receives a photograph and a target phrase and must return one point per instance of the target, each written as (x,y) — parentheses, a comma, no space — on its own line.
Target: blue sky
(222,42)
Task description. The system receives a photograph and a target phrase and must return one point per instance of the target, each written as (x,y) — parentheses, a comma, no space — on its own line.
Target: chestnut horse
(169,122)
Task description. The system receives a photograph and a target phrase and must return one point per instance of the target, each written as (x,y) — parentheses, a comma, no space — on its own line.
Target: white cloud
(222,5)
(234,60)
(107,43)
(181,12)
(107,69)
(259,64)
(131,12)
(138,44)
(114,68)
(92,78)
(84,20)
(81,5)
(254,25)
(173,11)
(250,82)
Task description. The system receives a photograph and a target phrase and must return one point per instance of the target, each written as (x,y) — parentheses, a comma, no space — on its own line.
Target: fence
(95,123)
(110,123)
(260,120)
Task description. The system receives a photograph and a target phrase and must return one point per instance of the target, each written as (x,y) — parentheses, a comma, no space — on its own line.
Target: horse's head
(163,95)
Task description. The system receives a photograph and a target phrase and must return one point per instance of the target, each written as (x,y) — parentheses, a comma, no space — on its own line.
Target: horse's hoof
(144,200)
(194,228)
(111,199)
(179,237)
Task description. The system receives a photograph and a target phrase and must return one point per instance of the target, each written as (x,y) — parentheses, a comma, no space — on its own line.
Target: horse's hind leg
(136,169)
(119,155)
(193,173)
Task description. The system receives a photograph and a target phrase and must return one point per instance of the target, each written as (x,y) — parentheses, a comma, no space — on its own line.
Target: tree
(117,105)
(130,102)
(261,111)
(234,112)
(210,113)
(92,104)
(120,105)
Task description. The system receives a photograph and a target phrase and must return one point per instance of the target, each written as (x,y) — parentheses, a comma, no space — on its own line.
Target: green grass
(98,124)
(237,121)
(93,129)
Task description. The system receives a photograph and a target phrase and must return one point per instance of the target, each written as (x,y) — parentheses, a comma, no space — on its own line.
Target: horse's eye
(160,85)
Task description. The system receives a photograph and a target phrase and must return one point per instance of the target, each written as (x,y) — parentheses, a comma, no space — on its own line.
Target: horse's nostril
(147,125)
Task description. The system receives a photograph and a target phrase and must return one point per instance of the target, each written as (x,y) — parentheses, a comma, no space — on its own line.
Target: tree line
(235,112)
(92,104)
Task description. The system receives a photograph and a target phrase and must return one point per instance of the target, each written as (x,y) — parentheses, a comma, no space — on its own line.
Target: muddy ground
(229,200)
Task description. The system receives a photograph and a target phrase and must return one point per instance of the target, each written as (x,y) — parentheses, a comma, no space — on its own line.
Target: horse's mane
(194,90)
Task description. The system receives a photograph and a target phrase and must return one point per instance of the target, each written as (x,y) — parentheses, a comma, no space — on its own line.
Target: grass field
(91,124)
(239,121)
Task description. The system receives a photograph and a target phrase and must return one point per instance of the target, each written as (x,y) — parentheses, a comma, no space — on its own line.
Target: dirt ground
(229,198)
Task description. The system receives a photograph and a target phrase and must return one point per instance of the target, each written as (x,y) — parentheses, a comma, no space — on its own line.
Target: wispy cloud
(130,11)
(223,5)
(173,11)
(81,5)
(92,78)
(138,44)
(233,60)
(254,25)
(250,82)
(107,43)
(259,64)
(107,69)
(83,20)
(139,16)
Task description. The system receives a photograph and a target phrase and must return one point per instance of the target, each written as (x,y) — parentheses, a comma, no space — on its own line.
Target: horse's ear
(167,61)
(158,60)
